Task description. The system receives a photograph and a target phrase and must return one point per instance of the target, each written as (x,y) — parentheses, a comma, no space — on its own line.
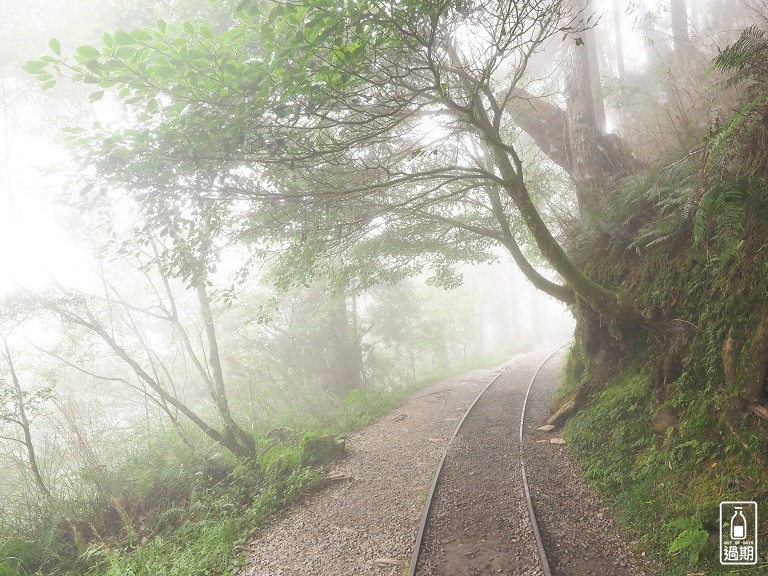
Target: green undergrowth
(673,407)
(182,508)
(176,512)
(671,420)
(665,488)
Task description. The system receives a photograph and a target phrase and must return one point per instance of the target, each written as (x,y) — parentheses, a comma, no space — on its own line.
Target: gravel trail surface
(579,534)
(368,524)
(479,521)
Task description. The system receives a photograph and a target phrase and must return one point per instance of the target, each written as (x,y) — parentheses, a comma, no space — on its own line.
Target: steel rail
(430,496)
(428,506)
(543,560)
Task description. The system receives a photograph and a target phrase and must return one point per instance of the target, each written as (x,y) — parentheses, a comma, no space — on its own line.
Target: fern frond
(724,207)
(747,51)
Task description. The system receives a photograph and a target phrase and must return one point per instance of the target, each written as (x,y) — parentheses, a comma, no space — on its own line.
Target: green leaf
(34,67)
(277,12)
(691,541)
(161,25)
(165,71)
(162,61)
(188,28)
(87,53)
(125,52)
(48,85)
(141,36)
(206,32)
(55,46)
(122,38)
(96,96)
(108,40)
(152,105)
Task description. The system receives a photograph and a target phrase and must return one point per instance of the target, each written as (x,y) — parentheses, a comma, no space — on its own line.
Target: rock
(546,428)
(663,421)
(383,562)
(557,440)
(320,449)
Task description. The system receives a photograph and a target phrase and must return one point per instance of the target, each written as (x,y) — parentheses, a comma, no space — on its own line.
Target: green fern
(722,205)
(174,477)
(692,542)
(749,54)
(740,147)
(729,131)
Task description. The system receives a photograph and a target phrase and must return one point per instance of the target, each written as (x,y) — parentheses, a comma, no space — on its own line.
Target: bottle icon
(738,525)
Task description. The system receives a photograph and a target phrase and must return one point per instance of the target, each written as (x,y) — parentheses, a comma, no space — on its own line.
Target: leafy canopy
(322,124)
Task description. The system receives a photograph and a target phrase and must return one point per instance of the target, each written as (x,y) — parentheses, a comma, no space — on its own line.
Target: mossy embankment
(671,413)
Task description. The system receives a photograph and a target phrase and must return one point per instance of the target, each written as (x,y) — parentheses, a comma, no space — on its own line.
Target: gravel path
(367,525)
(579,534)
(479,525)
(479,521)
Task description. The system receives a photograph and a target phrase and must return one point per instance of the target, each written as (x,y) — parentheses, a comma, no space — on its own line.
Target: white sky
(34,246)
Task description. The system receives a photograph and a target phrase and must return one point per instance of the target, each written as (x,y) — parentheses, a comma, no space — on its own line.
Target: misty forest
(237,232)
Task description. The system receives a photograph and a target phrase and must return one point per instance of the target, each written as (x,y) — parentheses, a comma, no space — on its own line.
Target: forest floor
(365,522)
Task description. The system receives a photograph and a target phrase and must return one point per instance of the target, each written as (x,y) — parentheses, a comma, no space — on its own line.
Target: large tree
(342,122)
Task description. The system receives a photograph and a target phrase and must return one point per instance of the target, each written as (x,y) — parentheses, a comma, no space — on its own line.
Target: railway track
(479,517)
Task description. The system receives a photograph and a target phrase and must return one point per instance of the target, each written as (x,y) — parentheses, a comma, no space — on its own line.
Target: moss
(663,487)
(690,369)
(319,449)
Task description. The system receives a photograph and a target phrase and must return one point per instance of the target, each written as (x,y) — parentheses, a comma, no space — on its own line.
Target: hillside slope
(671,418)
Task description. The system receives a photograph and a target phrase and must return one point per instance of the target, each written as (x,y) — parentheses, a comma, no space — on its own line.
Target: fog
(133,319)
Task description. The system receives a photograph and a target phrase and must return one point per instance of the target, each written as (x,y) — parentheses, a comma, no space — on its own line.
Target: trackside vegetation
(264,189)
(673,420)
(185,508)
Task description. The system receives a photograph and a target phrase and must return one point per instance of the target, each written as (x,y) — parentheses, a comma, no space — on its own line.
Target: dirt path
(367,525)
(579,534)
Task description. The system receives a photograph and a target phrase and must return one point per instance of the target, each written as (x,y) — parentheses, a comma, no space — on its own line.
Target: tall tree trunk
(681,39)
(591,42)
(694,19)
(583,129)
(345,363)
(547,124)
(619,40)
